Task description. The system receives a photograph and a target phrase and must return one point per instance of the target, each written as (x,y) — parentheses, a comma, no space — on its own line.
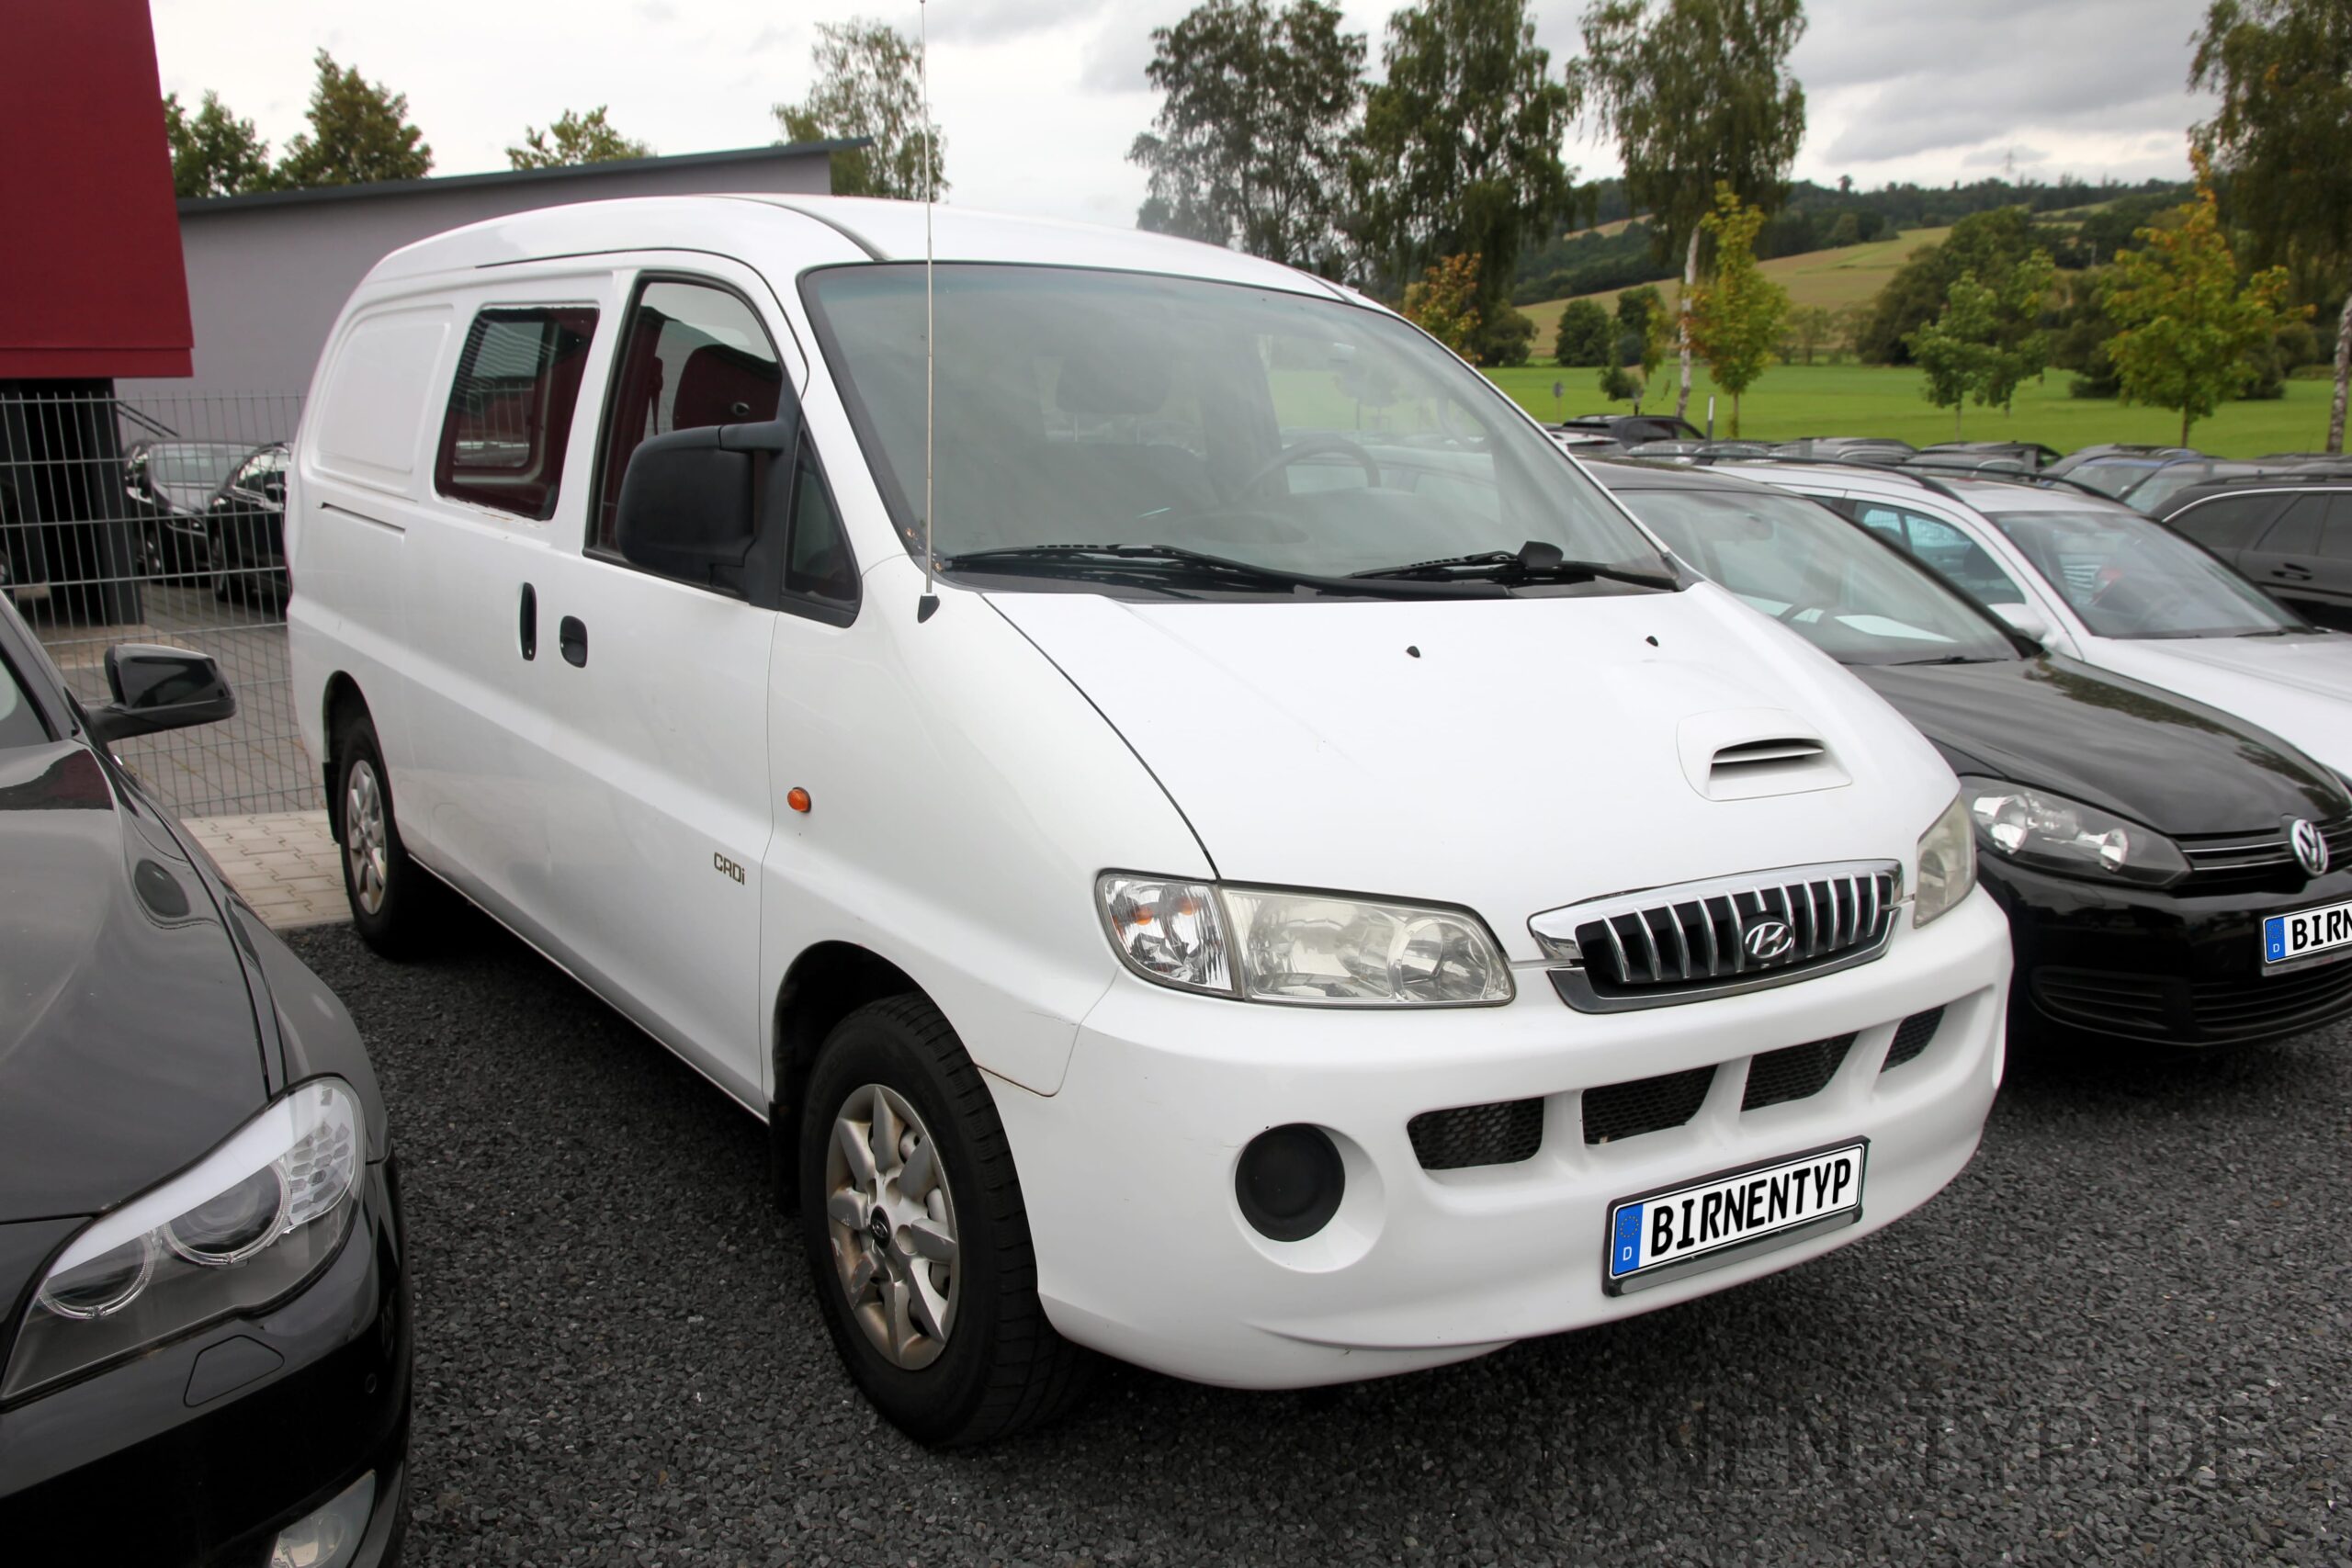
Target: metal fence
(159,520)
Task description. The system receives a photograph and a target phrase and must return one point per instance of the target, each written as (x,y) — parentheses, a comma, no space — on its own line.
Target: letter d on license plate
(1681,1230)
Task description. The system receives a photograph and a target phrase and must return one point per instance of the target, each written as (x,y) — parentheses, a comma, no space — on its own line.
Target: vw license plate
(2299,935)
(1683,1229)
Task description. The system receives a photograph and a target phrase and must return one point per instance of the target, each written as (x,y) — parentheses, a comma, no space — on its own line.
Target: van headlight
(2048,832)
(246,1225)
(1275,944)
(1946,863)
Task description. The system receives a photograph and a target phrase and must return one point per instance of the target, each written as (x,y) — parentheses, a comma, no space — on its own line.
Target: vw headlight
(243,1227)
(2036,828)
(1946,863)
(1277,945)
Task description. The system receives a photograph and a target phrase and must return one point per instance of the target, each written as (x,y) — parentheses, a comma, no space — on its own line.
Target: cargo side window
(694,354)
(511,407)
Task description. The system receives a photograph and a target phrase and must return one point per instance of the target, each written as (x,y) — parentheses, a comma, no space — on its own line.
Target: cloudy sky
(1039,99)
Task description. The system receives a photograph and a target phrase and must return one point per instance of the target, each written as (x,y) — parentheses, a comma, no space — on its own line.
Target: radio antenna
(928,604)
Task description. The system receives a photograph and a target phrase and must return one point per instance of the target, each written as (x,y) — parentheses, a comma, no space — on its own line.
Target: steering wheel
(1308,447)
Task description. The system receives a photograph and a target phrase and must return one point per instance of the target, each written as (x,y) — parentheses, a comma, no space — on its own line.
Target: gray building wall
(266,274)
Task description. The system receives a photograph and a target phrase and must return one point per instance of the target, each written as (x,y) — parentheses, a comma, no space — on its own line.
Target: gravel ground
(2122,1335)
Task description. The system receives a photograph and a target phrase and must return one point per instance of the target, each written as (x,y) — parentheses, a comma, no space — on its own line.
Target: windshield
(1296,434)
(1851,597)
(205,465)
(2129,577)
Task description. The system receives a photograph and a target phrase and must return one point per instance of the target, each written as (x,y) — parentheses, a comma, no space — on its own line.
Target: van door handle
(574,639)
(527,630)
(2292,571)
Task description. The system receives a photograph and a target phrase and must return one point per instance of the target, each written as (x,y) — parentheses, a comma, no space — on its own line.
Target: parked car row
(1203,836)
(212,511)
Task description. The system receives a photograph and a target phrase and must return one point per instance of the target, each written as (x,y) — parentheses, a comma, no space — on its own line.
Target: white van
(1310,890)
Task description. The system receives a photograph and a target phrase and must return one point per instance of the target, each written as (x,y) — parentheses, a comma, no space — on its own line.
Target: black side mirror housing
(160,688)
(691,501)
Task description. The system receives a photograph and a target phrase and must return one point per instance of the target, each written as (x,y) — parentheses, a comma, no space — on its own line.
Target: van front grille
(1701,940)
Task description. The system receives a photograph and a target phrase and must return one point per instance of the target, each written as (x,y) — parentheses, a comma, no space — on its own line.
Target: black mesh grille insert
(1794,1072)
(1913,1035)
(1504,1133)
(1645,1105)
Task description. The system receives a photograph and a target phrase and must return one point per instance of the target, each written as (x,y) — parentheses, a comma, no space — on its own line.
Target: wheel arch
(824,985)
(341,695)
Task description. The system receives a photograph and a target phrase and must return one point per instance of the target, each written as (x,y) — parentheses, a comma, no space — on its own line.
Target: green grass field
(1863,400)
(1841,276)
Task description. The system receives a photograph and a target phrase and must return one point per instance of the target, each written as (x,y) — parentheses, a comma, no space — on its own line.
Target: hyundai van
(1205,837)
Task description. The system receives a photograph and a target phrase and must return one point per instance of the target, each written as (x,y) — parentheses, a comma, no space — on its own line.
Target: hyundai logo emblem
(1768,940)
(2309,847)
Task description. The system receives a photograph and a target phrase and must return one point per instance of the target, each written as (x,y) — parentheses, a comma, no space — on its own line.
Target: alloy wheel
(893,1226)
(365,844)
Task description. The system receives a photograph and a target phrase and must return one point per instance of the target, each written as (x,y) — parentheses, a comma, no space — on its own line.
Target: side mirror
(2025,620)
(160,688)
(690,503)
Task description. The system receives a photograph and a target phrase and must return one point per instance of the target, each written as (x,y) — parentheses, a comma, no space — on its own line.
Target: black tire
(1002,1367)
(218,560)
(400,914)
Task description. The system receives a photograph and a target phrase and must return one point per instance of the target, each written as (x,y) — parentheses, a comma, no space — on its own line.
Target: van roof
(884,231)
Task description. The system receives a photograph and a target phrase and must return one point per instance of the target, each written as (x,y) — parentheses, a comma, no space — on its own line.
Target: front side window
(694,354)
(1964,562)
(510,408)
(2225,522)
(20,722)
(1817,575)
(817,560)
(1101,411)
(2297,532)
(2129,577)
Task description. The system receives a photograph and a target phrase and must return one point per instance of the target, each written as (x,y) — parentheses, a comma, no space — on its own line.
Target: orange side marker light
(796,798)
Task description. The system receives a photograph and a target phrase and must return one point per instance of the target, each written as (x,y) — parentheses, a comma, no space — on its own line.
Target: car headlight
(1946,863)
(244,1225)
(2033,827)
(1277,945)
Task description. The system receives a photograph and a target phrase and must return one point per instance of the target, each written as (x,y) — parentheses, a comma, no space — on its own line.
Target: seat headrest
(719,385)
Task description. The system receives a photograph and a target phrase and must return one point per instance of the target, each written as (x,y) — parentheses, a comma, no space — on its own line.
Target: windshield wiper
(1950,659)
(1534,561)
(1177,561)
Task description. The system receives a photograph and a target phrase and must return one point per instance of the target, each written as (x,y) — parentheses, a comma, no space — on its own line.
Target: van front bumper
(1143,1252)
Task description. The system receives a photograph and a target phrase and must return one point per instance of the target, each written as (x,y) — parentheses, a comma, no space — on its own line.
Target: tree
(1250,147)
(1636,305)
(1616,387)
(2185,329)
(1991,244)
(1661,331)
(869,84)
(213,152)
(1585,336)
(1846,230)
(1459,152)
(1504,335)
(1811,329)
(574,138)
(1444,303)
(1735,318)
(359,135)
(2283,133)
(1697,93)
(1957,348)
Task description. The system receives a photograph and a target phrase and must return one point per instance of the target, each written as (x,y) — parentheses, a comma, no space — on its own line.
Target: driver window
(1964,562)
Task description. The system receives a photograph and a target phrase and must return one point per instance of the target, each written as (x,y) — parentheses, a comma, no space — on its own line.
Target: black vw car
(204,1313)
(2138,842)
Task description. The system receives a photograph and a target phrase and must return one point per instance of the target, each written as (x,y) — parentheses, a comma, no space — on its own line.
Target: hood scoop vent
(1747,754)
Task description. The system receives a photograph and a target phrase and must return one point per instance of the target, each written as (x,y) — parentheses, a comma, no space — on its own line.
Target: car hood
(186,498)
(2298,688)
(2177,766)
(1512,755)
(127,1046)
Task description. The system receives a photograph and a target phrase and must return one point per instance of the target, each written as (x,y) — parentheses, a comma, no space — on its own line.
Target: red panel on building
(91,281)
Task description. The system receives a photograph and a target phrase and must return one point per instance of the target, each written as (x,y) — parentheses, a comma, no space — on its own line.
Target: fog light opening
(329,1535)
(1289,1182)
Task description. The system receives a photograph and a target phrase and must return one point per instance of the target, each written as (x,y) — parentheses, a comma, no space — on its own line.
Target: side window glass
(1961,560)
(818,562)
(2231,522)
(694,354)
(2337,543)
(2297,531)
(510,408)
(1883,520)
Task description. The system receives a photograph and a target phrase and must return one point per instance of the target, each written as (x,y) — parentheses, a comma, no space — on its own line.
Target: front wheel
(917,1241)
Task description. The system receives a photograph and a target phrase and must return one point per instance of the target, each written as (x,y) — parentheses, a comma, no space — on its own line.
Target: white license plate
(2286,938)
(1680,1230)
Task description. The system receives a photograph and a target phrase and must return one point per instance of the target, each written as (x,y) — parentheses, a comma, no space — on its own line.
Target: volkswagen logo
(2309,846)
(1768,940)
